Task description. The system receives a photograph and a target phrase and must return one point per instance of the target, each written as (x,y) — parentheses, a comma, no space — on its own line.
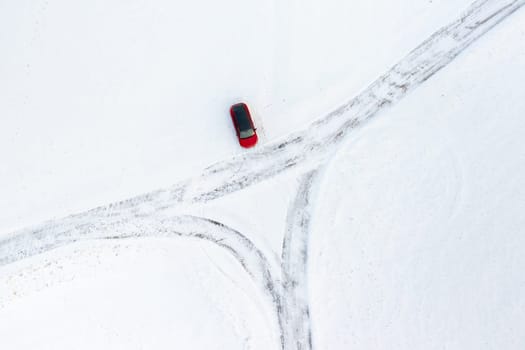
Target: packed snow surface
(391,222)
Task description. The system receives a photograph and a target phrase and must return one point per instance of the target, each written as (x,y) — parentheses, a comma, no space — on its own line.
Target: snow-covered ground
(406,235)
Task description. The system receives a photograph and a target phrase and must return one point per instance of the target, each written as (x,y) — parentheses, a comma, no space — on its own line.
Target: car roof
(242,117)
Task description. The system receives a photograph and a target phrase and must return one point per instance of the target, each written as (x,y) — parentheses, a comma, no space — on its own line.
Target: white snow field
(393,221)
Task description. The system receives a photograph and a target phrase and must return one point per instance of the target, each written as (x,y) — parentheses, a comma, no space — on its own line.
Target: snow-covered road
(282,283)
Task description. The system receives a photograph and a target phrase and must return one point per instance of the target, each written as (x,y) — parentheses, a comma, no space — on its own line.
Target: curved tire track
(264,274)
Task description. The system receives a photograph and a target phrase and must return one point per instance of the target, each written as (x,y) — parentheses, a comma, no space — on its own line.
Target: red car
(243,123)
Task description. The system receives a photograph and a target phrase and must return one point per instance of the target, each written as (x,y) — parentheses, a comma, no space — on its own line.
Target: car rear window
(246,133)
(243,120)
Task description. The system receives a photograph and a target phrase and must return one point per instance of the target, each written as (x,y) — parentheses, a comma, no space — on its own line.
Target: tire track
(263,272)
(296,311)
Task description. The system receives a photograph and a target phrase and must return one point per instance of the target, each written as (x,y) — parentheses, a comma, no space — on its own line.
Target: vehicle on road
(243,123)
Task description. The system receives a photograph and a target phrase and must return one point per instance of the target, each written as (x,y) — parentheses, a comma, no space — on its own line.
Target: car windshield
(243,121)
(246,133)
